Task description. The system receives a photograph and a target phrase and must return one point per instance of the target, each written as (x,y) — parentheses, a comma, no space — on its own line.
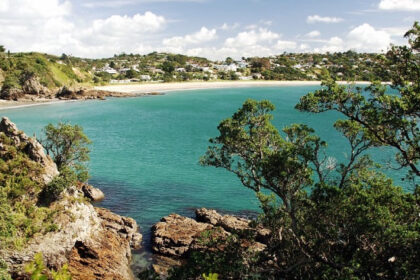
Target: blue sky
(210,28)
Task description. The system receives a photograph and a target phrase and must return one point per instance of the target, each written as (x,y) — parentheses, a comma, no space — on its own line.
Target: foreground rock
(175,236)
(94,242)
(31,147)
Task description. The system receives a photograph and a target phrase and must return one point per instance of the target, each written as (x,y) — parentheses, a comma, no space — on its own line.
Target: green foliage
(330,220)
(4,275)
(68,146)
(384,119)
(53,190)
(211,276)
(20,185)
(227,256)
(38,271)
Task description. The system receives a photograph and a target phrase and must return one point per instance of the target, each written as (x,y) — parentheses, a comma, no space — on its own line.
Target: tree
(337,226)
(333,220)
(168,67)
(68,146)
(385,119)
(2,49)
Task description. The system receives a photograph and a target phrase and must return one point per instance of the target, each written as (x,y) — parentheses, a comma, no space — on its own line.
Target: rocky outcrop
(79,93)
(107,254)
(32,86)
(31,147)
(94,194)
(231,223)
(175,236)
(94,242)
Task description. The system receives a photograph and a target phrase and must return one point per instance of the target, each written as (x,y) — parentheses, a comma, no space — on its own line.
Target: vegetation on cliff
(327,220)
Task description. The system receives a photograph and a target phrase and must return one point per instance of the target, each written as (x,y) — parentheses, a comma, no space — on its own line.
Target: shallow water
(146,150)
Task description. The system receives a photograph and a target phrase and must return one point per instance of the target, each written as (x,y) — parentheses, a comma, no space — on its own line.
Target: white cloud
(362,38)
(313,34)
(285,45)
(400,5)
(366,38)
(334,44)
(317,18)
(226,26)
(202,36)
(251,38)
(48,26)
(122,26)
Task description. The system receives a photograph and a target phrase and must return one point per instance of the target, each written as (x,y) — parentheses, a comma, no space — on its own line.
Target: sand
(145,88)
(153,88)
(7,104)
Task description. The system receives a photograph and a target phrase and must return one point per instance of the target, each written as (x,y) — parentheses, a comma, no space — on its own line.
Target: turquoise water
(146,150)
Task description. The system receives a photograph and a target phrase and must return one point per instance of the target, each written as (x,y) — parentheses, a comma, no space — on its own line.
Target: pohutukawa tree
(332,220)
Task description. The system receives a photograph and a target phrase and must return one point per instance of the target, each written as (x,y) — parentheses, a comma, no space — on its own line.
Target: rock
(174,235)
(125,227)
(162,264)
(33,86)
(94,242)
(31,147)
(94,194)
(106,255)
(231,223)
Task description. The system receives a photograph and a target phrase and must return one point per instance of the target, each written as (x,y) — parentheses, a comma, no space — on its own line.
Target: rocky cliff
(94,242)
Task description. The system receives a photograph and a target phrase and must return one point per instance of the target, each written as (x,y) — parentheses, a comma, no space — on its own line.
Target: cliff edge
(94,242)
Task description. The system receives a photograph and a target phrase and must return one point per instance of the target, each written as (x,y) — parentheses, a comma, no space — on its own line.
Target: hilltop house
(107,69)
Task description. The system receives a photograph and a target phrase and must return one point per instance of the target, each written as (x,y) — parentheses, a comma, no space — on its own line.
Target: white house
(145,77)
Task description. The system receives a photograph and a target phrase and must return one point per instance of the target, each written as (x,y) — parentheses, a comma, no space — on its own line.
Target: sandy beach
(166,87)
(8,104)
(155,88)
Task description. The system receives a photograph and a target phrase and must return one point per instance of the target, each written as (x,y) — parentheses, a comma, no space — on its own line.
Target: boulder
(94,194)
(231,223)
(174,235)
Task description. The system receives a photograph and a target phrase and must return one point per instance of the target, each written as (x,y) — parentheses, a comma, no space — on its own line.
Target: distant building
(107,69)
(145,77)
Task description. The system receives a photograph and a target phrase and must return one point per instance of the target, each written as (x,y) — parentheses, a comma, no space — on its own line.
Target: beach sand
(155,88)
(146,88)
(8,104)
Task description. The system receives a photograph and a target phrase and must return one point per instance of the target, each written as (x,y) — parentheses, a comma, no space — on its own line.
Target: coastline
(148,88)
(7,104)
(143,89)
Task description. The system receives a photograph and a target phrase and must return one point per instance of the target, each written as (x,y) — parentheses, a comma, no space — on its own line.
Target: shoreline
(6,104)
(144,89)
(148,88)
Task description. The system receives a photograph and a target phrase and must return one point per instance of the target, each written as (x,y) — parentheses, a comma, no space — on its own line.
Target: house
(108,70)
(242,64)
(145,77)
(226,68)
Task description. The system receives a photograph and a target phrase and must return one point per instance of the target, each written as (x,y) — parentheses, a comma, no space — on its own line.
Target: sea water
(146,150)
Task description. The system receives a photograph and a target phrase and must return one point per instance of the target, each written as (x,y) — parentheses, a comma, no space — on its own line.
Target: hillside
(42,75)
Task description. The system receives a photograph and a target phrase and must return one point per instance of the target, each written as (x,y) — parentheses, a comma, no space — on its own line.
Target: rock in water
(93,193)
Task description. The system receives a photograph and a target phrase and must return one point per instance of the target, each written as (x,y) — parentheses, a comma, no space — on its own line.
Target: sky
(214,29)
